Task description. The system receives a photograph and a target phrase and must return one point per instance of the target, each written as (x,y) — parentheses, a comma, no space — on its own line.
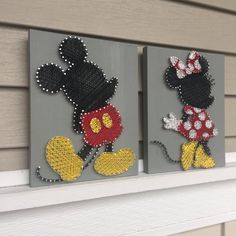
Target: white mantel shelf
(24,197)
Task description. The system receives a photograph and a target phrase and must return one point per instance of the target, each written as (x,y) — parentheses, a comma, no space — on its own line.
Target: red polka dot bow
(182,70)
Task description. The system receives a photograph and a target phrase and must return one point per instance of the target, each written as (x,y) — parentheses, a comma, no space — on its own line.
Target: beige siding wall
(206,25)
(154,22)
(226,229)
(215,230)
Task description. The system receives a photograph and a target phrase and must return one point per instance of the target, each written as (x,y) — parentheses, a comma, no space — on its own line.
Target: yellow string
(187,157)
(109,163)
(202,160)
(106,120)
(95,125)
(195,156)
(61,157)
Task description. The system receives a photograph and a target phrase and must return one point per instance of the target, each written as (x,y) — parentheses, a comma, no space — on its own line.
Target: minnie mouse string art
(193,84)
(85,86)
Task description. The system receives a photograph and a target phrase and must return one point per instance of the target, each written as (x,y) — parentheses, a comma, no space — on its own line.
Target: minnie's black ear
(171,78)
(204,64)
(73,50)
(50,78)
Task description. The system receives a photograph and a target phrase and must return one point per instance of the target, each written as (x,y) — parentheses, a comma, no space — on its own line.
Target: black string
(185,117)
(205,147)
(165,152)
(193,89)
(109,147)
(85,151)
(46,179)
(91,159)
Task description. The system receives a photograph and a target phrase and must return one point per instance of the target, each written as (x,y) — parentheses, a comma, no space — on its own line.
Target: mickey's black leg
(85,151)
(205,147)
(91,158)
(109,147)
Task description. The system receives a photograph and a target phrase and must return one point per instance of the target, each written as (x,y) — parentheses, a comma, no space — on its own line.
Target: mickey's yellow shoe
(61,157)
(109,163)
(202,160)
(187,156)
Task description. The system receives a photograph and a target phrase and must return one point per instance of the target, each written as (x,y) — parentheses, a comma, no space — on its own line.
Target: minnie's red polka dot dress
(199,126)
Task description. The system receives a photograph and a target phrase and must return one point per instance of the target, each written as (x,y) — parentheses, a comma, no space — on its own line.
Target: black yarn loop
(46,179)
(165,152)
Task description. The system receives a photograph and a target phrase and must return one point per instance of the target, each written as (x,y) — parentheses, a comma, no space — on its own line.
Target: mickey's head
(191,80)
(84,83)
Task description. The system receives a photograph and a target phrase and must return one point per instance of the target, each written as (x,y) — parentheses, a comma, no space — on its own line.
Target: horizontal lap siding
(13,59)
(230,144)
(155,21)
(14,118)
(215,230)
(14,159)
(229,5)
(143,21)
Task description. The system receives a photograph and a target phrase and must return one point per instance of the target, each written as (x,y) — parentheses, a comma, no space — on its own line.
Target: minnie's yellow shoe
(109,164)
(202,160)
(61,157)
(187,156)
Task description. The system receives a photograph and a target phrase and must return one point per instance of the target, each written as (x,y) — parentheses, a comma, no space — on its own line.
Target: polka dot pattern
(187,125)
(208,124)
(205,135)
(197,110)
(189,112)
(199,126)
(215,132)
(202,116)
(192,133)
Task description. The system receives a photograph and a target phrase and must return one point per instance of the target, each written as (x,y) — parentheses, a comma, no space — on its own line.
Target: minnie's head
(191,80)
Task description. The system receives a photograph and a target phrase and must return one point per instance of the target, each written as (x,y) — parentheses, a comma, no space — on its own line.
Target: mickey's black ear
(204,64)
(171,78)
(73,50)
(50,78)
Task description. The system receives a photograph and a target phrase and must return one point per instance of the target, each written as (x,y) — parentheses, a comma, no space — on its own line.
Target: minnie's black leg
(205,147)
(109,147)
(85,151)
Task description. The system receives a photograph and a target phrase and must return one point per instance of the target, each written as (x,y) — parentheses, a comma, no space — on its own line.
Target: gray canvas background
(159,100)
(51,115)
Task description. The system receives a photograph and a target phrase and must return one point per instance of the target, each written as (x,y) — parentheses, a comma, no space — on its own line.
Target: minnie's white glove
(171,122)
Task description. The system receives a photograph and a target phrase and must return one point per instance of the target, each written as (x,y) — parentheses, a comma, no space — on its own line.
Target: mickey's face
(87,87)
(84,84)
(193,89)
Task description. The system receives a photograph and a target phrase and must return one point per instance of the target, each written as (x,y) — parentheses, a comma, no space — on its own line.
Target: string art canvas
(183,110)
(81,90)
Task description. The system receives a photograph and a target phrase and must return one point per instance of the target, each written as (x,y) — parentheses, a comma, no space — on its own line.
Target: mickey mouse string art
(85,85)
(193,84)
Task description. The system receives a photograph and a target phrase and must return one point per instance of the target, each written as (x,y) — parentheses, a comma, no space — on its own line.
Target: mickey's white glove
(171,122)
